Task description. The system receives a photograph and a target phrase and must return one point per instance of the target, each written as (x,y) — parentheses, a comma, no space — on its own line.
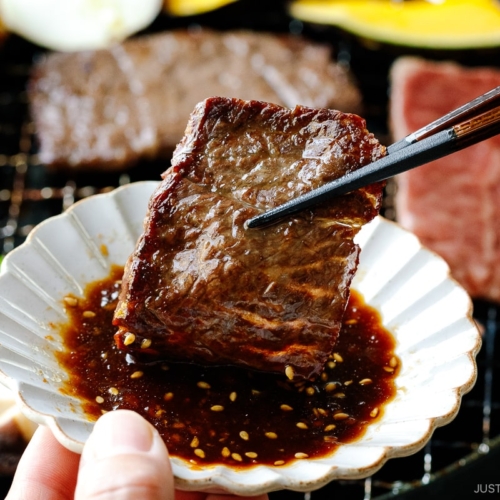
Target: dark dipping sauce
(228,415)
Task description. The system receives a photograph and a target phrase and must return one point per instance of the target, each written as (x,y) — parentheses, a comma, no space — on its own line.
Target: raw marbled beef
(453,204)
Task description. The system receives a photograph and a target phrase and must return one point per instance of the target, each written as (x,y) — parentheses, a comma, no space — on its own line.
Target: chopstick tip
(251,223)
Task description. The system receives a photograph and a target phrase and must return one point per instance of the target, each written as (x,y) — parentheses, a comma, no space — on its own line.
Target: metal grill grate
(29,193)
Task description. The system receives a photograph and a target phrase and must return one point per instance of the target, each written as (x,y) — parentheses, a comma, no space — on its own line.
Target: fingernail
(120,432)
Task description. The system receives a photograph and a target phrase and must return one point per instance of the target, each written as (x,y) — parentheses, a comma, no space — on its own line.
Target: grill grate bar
(19,161)
(489,347)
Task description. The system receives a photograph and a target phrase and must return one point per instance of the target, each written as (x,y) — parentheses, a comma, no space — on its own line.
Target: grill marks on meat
(204,289)
(451,204)
(111,108)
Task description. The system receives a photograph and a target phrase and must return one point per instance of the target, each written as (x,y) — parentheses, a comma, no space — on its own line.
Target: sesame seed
(168,396)
(129,339)
(388,369)
(145,343)
(113,391)
(137,374)
(365,381)
(199,453)
(99,399)
(324,376)
(237,457)
(104,355)
(350,322)
(88,314)
(251,454)
(195,442)
(322,411)
(289,372)
(203,385)
(70,301)
(225,452)
(301,455)
(233,396)
(331,386)
(271,435)
(348,382)
(339,395)
(301,425)
(159,412)
(310,391)
(279,462)
(103,412)
(217,408)
(255,392)
(393,362)
(340,416)
(244,435)
(330,427)
(374,412)
(331,364)
(286,407)
(337,357)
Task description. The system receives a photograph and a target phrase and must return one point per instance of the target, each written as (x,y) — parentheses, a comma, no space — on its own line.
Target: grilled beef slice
(200,287)
(108,109)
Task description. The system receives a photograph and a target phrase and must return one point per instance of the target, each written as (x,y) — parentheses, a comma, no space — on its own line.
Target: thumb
(124,458)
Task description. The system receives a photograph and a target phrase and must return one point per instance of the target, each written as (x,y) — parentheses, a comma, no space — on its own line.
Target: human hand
(124,458)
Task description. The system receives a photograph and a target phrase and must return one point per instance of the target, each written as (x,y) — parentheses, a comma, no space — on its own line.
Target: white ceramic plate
(428,313)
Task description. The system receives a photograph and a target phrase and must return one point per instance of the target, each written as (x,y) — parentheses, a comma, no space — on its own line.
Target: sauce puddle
(228,415)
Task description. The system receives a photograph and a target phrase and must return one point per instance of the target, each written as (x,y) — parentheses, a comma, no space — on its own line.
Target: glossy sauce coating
(202,288)
(220,414)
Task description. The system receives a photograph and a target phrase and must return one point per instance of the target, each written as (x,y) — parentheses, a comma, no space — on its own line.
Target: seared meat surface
(109,109)
(200,287)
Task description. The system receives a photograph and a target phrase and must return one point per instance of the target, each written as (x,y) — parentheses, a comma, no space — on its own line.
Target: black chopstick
(443,143)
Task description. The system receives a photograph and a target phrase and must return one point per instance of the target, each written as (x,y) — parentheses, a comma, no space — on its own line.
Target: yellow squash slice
(192,7)
(444,24)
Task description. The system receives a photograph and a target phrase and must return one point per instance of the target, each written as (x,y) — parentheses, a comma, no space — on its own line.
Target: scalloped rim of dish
(221,478)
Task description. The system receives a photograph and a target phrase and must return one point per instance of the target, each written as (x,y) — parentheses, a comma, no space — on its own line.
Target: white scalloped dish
(426,311)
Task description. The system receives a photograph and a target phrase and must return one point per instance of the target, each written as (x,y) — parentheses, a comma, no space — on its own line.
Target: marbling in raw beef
(453,204)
